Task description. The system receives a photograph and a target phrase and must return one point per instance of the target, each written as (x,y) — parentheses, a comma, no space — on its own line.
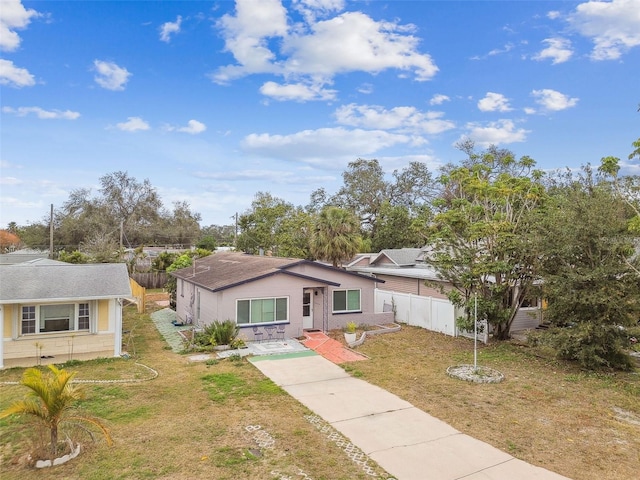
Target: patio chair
(280,332)
(270,329)
(257,334)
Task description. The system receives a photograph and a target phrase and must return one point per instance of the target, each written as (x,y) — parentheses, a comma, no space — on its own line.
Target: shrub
(223,333)
(592,346)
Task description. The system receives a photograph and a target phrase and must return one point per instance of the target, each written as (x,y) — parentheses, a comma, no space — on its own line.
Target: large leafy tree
(590,271)
(336,236)
(261,225)
(52,401)
(366,190)
(398,227)
(480,234)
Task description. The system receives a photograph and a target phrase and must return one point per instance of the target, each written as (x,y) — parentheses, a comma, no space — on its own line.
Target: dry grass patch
(193,421)
(545,412)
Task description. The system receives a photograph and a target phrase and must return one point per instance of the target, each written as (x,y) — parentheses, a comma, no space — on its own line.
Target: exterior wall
(526,319)
(222,305)
(414,286)
(21,351)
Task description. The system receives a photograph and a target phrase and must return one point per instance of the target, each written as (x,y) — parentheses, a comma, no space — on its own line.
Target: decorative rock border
(470,373)
(379,331)
(60,460)
(154,374)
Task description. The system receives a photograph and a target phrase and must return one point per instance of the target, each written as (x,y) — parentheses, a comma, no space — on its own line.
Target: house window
(61,317)
(346,301)
(29,319)
(262,310)
(83,316)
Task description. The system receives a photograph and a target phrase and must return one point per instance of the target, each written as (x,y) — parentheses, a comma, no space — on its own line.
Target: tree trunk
(54,441)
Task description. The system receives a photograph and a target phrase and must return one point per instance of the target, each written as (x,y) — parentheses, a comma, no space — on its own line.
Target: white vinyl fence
(426,312)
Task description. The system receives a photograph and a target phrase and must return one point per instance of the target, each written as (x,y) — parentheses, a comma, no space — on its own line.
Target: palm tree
(336,235)
(51,401)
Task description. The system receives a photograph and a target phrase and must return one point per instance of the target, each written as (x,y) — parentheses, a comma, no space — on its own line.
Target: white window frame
(275,311)
(73,322)
(346,310)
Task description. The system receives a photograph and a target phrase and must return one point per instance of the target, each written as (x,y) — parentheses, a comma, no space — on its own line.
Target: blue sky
(215,101)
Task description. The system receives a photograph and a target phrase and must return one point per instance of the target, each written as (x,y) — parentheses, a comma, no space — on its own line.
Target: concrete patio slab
(288,371)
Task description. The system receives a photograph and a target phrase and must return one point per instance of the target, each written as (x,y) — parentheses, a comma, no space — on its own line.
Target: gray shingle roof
(400,256)
(228,269)
(44,281)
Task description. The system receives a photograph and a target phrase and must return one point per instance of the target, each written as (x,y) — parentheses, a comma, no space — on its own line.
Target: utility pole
(235,237)
(51,233)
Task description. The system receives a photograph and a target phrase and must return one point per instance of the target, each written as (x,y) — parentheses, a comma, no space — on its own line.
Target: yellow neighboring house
(51,312)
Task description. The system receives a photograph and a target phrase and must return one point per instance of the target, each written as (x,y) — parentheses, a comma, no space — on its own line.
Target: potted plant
(350,332)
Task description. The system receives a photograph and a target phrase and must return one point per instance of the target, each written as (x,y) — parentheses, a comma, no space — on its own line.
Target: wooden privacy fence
(139,294)
(150,279)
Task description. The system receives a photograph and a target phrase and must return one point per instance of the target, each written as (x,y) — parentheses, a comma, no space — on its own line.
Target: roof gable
(398,257)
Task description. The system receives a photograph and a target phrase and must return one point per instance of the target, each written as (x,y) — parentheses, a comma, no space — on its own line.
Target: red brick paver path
(330,349)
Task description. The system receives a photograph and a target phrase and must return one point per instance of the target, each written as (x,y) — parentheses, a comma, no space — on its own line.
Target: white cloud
(42,113)
(169,28)
(494,102)
(558,50)
(496,51)
(403,119)
(325,147)
(495,133)
(365,88)
(553,14)
(269,176)
(13,76)
(296,91)
(312,9)
(312,53)
(133,124)
(110,76)
(614,27)
(553,100)
(193,127)
(438,99)
(13,16)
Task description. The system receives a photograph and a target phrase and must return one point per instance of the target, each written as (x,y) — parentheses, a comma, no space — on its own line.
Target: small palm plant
(52,402)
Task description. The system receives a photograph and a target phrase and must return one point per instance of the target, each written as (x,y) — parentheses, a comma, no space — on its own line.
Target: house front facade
(52,312)
(259,291)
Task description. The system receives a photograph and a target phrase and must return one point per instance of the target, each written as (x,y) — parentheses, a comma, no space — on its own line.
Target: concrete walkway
(405,441)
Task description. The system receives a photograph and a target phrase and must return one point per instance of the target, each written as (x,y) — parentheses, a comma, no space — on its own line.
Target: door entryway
(307,309)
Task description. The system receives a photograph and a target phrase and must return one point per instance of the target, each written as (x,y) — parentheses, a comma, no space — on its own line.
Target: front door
(307,309)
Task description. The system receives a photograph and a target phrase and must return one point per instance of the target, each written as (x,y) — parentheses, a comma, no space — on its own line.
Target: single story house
(51,311)
(260,291)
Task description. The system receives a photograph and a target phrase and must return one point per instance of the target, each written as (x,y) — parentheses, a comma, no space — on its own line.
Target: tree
(480,236)
(399,228)
(181,227)
(261,225)
(366,190)
(627,187)
(589,267)
(183,261)
(293,236)
(8,241)
(336,236)
(135,204)
(52,402)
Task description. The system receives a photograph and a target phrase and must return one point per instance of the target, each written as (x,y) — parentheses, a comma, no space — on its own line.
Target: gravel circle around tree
(471,373)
